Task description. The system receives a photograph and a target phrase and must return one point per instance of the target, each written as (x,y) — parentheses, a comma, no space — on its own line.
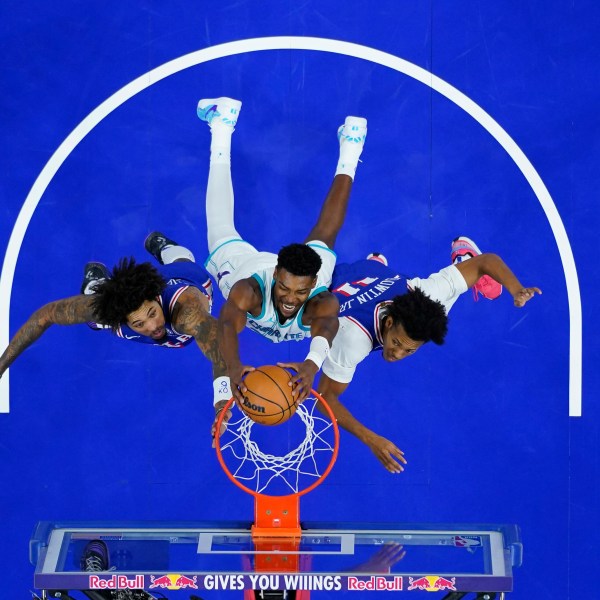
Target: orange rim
(312,486)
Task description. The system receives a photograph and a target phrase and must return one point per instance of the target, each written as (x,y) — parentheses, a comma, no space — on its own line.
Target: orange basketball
(269,399)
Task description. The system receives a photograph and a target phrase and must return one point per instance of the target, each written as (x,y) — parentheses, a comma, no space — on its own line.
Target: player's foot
(352,136)
(353,131)
(94,273)
(95,557)
(156,242)
(378,257)
(464,248)
(216,111)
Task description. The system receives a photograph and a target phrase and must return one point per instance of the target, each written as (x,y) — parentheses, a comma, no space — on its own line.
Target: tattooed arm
(69,311)
(192,318)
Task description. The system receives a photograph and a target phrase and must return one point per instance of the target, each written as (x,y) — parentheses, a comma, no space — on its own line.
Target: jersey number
(349,290)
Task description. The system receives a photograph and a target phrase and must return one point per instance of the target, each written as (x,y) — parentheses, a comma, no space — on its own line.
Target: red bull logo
(377,583)
(115,582)
(431,583)
(173,581)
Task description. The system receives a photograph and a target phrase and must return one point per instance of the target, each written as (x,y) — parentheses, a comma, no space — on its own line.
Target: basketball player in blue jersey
(382,311)
(282,297)
(168,306)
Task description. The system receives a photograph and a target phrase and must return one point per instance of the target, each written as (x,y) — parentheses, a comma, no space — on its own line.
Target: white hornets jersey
(267,323)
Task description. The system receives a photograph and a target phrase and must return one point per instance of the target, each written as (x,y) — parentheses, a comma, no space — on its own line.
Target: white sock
(220,145)
(219,203)
(170,254)
(348,161)
(90,288)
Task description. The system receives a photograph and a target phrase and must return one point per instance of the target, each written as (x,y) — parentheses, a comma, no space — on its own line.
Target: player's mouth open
(288,309)
(158,333)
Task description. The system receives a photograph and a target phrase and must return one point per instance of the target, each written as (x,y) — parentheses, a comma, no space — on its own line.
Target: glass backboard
(326,556)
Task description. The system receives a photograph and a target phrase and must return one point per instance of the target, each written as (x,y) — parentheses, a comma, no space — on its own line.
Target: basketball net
(277,480)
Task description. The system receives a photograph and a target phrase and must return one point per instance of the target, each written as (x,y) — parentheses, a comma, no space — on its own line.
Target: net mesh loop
(260,470)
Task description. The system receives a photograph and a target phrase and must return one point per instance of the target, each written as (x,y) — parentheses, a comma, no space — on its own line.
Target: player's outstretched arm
(68,311)
(496,268)
(321,313)
(193,319)
(232,320)
(220,406)
(390,456)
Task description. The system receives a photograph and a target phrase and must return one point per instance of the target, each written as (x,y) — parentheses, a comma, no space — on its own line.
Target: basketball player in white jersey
(282,297)
(383,312)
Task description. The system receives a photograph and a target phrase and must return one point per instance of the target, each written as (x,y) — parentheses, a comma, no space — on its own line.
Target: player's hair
(299,259)
(128,287)
(423,319)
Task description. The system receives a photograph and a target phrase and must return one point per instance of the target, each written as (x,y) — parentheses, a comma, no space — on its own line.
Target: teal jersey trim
(220,246)
(322,248)
(262,291)
(319,290)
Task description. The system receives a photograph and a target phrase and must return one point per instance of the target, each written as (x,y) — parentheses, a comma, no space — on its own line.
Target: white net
(306,447)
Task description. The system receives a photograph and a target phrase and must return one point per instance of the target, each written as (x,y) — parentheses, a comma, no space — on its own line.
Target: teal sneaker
(219,110)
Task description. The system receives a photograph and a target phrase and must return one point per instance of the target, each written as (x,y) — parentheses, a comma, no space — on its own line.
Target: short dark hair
(300,260)
(128,287)
(423,319)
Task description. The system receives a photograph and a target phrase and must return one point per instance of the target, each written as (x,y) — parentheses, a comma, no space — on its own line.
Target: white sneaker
(353,131)
(219,110)
(352,136)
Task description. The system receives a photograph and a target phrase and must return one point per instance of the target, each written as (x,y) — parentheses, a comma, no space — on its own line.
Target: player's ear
(388,323)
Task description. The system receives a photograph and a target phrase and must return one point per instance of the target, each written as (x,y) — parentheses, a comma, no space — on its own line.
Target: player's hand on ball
(236,376)
(302,381)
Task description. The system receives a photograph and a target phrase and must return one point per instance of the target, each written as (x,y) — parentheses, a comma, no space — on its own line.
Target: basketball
(269,399)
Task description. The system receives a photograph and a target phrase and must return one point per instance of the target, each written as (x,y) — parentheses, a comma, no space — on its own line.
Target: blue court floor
(483,121)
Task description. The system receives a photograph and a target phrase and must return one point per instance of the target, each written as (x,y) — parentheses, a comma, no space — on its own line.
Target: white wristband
(319,349)
(222,389)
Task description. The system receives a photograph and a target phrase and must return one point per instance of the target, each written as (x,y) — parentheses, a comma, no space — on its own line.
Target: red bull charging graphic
(431,583)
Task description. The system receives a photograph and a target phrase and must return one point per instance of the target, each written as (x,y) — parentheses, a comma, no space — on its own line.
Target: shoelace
(93,562)
(484,286)
(479,286)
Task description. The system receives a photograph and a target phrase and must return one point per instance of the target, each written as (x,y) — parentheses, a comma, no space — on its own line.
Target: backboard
(215,556)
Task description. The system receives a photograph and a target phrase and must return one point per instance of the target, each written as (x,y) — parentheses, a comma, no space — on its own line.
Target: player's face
(148,320)
(290,292)
(396,343)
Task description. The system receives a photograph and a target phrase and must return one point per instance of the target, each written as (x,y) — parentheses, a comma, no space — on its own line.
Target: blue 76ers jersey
(363,289)
(180,276)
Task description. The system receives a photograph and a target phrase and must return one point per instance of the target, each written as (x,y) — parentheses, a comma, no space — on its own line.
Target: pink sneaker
(463,249)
